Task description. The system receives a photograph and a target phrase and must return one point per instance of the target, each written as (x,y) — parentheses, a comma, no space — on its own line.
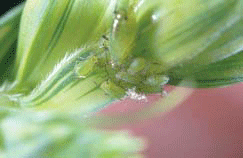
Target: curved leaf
(9,27)
(225,72)
(194,39)
(52,29)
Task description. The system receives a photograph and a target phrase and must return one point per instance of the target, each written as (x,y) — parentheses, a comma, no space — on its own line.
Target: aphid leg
(164,93)
(105,48)
(105,37)
(95,83)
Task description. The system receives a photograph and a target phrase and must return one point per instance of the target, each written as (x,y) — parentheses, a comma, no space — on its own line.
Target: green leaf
(7,64)
(50,29)
(192,39)
(9,27)
(225,72)
(217,49)
(64,90)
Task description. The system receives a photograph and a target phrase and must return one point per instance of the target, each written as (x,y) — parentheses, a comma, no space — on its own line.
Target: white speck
(112,64)
(154,17)
(118,16)
(81,77)
(132,94)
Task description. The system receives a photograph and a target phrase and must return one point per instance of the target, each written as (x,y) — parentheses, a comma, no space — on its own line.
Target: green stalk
(66,88)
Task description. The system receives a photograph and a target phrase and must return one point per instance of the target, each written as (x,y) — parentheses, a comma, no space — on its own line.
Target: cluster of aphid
(124,71)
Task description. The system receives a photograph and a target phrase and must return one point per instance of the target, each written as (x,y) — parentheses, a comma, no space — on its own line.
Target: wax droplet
(132,94)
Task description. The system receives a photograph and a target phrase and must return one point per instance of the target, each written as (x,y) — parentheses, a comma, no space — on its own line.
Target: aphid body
(85,67)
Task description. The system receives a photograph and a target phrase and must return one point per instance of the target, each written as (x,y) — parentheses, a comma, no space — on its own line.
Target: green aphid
(154,68)
(104,42)
(157,81)
(86,66)
(112,89)
(137,65)
(123,31)
(154,84)
(128,78)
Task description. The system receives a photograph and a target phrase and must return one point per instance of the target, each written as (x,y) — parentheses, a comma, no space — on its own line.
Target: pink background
(209,124)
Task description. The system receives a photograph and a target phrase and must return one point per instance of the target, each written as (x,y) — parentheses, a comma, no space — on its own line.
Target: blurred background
(9,5)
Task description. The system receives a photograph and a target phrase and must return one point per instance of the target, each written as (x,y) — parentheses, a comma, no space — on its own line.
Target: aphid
(119,18)
(123,32)
(156,83)
(137,65)
(126,77)
(85,67)
(104,42)
(158,80)
(112,89)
